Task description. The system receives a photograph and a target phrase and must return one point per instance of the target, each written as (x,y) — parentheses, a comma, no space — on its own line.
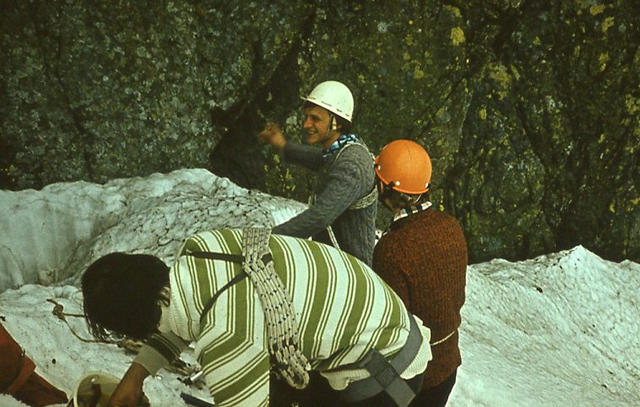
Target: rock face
(54,233)
(529,110)
(552,136)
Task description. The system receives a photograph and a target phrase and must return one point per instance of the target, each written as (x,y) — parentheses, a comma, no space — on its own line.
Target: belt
(385,374)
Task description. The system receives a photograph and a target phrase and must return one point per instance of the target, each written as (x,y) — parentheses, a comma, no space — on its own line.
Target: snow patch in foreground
(557,330)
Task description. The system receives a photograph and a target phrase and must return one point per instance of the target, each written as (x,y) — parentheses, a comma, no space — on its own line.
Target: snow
(57,231)
(558,330)
(8,401)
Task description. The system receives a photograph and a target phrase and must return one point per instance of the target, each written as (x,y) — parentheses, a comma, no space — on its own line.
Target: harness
(372,196)
(385,374)
(361,203)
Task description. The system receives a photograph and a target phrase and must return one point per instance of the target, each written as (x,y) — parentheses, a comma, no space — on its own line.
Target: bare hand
(129,391)
(272,134)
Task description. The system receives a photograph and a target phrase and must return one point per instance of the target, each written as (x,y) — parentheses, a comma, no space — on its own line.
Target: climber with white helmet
(423,258)
(342,210)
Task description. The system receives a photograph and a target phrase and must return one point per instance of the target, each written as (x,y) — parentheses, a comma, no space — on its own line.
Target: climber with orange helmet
(343,208)
(423,258)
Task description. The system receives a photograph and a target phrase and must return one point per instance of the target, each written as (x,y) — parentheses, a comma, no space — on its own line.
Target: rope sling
(282,328)
(280,321)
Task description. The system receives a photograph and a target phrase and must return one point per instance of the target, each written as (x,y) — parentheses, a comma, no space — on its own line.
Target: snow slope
(558,330)
(50,234)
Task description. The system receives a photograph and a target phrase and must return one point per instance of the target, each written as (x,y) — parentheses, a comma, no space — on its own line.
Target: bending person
(292,308)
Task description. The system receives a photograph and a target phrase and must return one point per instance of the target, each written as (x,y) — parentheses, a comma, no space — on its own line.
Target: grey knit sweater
(342,182)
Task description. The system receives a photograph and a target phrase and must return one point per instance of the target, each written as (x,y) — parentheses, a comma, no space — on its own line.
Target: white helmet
(94,389)
(333,96)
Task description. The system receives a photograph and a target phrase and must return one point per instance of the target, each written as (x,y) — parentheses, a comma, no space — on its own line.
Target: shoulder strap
(353,143)
(234,258)
(215,296)
(372,196)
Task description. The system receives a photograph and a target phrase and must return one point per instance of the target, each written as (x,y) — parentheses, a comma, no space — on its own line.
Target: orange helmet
(405,166)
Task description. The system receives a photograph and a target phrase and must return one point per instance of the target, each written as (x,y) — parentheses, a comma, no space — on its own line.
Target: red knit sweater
(424,259)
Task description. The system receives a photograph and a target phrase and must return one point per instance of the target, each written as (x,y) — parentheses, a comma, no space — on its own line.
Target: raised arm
(299,154)
(348,179)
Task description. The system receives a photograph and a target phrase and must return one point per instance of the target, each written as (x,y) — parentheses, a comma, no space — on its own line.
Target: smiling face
(316,123)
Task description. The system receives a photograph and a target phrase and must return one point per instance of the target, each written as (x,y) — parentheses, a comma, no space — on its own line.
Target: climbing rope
(281,325)
(177,366)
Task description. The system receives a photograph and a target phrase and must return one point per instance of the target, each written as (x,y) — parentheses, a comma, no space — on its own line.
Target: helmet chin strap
(332,125)
(394,200)
(384,194)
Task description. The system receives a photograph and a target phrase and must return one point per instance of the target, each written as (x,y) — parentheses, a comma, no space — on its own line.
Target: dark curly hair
(122,294)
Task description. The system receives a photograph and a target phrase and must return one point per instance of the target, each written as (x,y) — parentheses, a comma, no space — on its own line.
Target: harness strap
(280,322)
(332,237)
(234,258)
(366,200)
(438,342)
(385,374)
(215,296)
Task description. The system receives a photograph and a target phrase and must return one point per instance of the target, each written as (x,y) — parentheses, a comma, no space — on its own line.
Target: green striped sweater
(343,309)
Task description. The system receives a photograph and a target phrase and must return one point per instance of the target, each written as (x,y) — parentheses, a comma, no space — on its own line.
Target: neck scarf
(337,145)
(411,210)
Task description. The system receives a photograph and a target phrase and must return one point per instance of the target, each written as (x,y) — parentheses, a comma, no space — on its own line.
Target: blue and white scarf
(337,145)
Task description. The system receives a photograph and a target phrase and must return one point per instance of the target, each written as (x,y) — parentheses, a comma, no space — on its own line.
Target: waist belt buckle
(384,372)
